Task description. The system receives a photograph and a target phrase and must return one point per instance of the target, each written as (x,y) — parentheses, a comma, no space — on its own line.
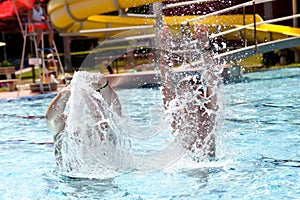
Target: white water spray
(97,142)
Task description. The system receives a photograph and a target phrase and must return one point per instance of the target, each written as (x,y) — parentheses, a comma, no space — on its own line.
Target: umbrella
(7,7)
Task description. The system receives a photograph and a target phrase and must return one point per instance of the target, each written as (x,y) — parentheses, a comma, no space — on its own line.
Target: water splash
(88,143)
(93,143)
(99,143)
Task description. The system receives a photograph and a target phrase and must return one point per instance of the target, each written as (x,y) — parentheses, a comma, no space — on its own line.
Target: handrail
(185,3)
(140,15)
(262,48)
(249,3)
(106,30)
(141,37)
(252,24)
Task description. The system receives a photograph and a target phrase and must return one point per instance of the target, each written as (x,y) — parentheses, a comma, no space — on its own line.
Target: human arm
(112,98)
(55,116)
(212,80)
(210,74)
(45,17)
(166,77)
(29,16)
(166,65)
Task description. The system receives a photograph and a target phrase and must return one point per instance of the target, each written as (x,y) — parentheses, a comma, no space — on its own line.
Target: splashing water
(98,143)
(88,143)
(93,143)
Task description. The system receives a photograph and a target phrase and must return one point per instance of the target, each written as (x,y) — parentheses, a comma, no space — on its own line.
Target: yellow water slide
(76,15)
(72,16)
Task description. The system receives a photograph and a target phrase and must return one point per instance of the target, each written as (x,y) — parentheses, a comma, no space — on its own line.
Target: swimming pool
(259,151)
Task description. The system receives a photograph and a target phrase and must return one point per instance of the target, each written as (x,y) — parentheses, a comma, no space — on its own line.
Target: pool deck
(21,93)
(25,91)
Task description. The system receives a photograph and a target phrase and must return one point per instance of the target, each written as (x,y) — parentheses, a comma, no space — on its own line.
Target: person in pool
(192,123)
(193,103)
(56,117)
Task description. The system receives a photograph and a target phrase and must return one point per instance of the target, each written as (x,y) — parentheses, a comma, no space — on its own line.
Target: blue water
(259,151)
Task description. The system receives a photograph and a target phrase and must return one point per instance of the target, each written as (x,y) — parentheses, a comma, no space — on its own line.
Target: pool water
(259,151)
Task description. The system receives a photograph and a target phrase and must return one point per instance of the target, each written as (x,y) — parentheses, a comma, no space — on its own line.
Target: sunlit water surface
(259,152)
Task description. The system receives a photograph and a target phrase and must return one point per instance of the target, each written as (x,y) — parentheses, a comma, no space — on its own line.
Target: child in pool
(193,101)
(193,124)
(88,121)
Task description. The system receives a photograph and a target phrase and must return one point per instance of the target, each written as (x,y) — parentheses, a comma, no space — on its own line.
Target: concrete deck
(130,80)
(20,93)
